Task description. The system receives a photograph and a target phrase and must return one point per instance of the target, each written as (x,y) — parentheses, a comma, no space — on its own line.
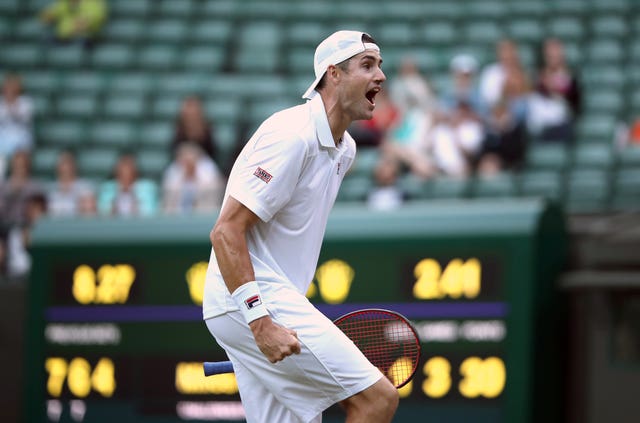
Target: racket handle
(217,367)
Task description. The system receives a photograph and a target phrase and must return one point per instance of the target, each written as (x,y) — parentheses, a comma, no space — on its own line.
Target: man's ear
(333,73)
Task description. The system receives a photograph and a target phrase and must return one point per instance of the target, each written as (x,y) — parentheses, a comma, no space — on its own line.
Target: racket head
(388,340)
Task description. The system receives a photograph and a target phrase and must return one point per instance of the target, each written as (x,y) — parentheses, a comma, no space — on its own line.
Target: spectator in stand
(19,236)
(192,126)
(507,80)
(371,133)
(16,118)
(17,189)
(192,183)
(75,20)
(464,88)
(126,195)
(408,141)
(457,140)
(555,104)
(386,194)
(458,133)
(505,141)
(559,78)
(64,198)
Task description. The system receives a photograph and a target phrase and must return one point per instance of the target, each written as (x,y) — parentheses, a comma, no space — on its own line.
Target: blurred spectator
(17,189)
(19,236)
(410,90)
(555,104)
(559,78)
(386,194)
(87,204)
(505,141)
(127,195)
(192,183)
(457,140)
(16,116)
(549,117)
(64,198)
(505,79)
(464,88)
(192,126)
(408,141)
(76,20)
(371,133)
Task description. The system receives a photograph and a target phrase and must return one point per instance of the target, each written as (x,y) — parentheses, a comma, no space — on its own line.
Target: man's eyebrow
(371,57)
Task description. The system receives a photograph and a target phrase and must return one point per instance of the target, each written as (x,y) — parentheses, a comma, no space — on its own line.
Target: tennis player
(290,361)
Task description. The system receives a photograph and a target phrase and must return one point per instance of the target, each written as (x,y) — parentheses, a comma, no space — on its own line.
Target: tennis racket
(385,337)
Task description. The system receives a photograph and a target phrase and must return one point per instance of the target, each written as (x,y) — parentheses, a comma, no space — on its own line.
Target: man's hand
(275,342)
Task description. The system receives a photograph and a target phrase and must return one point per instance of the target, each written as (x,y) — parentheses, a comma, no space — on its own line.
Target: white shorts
(329,368)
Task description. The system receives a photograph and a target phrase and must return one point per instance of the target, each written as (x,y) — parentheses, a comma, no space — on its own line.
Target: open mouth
(371,96)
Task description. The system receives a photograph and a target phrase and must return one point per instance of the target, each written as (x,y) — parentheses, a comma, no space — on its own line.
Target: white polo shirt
(288,174)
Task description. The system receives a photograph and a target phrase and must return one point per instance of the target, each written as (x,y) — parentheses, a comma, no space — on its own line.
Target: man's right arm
(229,241)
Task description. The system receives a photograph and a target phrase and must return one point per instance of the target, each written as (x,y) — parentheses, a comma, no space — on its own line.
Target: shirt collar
(322,122)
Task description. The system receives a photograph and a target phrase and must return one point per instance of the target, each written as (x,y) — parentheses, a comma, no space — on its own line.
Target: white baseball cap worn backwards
(333,50)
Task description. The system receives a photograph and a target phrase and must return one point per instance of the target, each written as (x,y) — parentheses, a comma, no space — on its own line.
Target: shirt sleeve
(268,173)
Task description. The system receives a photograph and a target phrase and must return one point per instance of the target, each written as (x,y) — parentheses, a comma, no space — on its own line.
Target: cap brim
(311,91)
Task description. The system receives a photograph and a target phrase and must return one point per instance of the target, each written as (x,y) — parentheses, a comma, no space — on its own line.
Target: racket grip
(217,367)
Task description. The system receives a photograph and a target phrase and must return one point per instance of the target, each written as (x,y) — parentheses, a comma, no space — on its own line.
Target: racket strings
(387,341)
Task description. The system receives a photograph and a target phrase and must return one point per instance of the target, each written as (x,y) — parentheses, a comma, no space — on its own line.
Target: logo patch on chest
(263,174)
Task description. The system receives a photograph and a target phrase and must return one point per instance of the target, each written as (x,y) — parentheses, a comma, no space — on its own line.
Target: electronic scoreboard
(116,335)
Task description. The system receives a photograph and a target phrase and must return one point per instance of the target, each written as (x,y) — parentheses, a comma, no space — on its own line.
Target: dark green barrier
(117,302)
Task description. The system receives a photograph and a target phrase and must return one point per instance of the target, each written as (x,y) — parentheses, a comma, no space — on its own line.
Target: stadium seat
(113,56)
(182,83)
(215,32)
(566,28)
(132,82)
(21,56)
(113,134)
(156,134)
(30,30)
(541,156)
(447,188)
(415,188)
(182,9)
(84,82)
(65,57)
(605,101)
(128,8)
(125,30)
(593,156)
(205,58)
(77,106)
(157,57)
(152,163)
(629,157)
(96,163)
(394,33)
(587,191)
(305,34)
(166,106)
(220,109)
(43,162)
(596,128)
(527,8)
(440,33)
(366,160)
(542,183)
(494,186)
(355,188)
(484,32)
(124,107)
(626,190)
(166,31)
(605,51)
(609,26)
(527,30)
(61,133)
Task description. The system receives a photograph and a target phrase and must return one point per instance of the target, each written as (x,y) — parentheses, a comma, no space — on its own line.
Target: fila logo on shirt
(262,174)
(253,301)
